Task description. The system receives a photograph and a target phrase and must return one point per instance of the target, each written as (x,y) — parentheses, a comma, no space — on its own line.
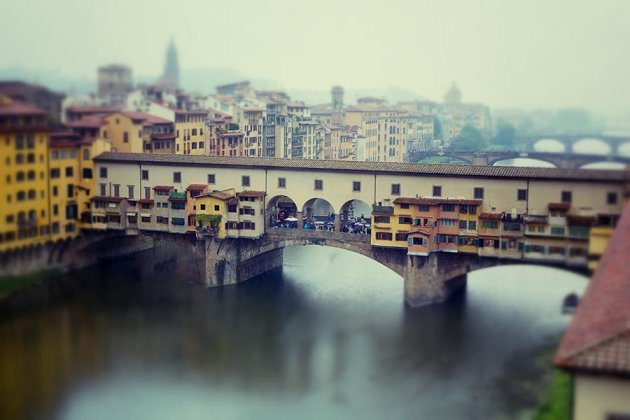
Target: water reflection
(525,162)
(604,165)
(326,337)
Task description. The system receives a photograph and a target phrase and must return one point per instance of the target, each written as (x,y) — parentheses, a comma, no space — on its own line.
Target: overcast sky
(506,53)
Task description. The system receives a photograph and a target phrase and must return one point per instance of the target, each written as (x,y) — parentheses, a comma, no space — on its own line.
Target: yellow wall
(392,227)
(114,130)
(597,243)
(210,203)
(10,207)
(63,159)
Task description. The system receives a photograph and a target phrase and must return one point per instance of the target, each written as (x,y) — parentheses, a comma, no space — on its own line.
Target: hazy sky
(506,53)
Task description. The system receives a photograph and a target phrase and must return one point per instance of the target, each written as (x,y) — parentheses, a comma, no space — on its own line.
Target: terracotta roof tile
(251,194)
(598,338)
(163,187)
(475,171)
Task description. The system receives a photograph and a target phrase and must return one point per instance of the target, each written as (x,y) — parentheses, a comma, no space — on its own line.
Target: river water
(326,337)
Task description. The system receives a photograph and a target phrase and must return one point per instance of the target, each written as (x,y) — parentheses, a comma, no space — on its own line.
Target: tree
(469,139)
(506,134)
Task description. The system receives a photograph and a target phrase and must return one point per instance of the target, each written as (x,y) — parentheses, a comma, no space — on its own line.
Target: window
(478,193)
(145,174)
(87,173)
(405,220)
(217,207)
(282,182)
(381,219)
(55,191)
(69,171)
(147,193)
(611,198)
(178,205)
(356,186)
(404,205)
(472,209)
(566,196)
(448,222)
(130,191)
(245,180)
(231,208)
(103,189)
(401,237)
(54,173)
(319,184)
(437,191)
(86,154)
(103,172)
(383,236)
(177,177)
(463,224)
(70,191)
(395,189)
(211,179)
(463,209)
(178,221)
(424,207)
(472,225)
(557,230)
(125,137)
(55,210)
(521,195)
(448,207)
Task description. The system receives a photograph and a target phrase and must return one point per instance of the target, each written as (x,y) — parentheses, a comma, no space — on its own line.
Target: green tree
(469,139)
(506,134)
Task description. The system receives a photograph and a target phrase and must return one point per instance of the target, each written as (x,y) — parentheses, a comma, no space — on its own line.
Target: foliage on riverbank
(12,283)
(557,404)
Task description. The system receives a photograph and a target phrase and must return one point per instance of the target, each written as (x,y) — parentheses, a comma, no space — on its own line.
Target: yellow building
(190,137)
(212,211)
(467,240)
(390,225)
(125,131)
(24,212)
(72,183)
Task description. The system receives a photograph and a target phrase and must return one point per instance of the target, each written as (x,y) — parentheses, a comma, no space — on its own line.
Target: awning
(145,214)
(132,213)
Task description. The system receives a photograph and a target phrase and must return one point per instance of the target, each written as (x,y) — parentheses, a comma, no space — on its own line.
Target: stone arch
(498,160)
(355,216)
(549,144)
(279,208)
(443,158)
(319,213)
(603,147)
(623,149)
(595,164)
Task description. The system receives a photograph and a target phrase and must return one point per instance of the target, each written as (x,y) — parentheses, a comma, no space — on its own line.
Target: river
(326,337)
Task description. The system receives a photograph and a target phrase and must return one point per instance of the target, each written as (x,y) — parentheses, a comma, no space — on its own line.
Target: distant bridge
(568,140)
(560,160)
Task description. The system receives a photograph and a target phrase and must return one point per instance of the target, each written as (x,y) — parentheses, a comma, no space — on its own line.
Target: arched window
(19,142)
(19,158)
(31,175)
(86,154)
(21,216)
(21,196)
(31,194)
(32,215)
(20,176)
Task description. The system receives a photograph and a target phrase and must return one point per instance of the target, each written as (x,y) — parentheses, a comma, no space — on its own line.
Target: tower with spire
(170,77)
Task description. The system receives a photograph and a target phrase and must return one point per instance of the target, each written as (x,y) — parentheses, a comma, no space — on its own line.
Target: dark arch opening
(319,214)
(282,212)
(355,217)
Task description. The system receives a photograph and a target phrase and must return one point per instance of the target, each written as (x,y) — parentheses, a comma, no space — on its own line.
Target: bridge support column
(434,278)
(232,261)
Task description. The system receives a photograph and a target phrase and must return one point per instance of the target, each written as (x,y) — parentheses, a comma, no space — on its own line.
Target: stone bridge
(560,160)
(216,263)
(568,140)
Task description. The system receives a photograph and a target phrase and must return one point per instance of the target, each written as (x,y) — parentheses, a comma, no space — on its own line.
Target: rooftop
(598,338)
(19,108)
(473,171)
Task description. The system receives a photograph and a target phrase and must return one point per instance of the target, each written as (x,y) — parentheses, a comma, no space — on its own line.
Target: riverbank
(9,284)
(557,392)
